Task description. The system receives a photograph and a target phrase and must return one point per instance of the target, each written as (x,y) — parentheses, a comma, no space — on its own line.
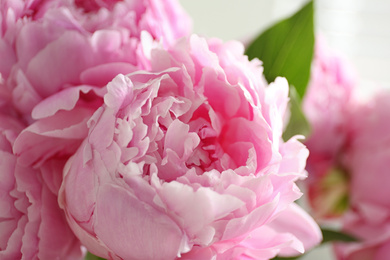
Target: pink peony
(55,45)
(187,161)
(349,158)
(57,57)
(368,161)
(68,54)
(326,106)
(32,224)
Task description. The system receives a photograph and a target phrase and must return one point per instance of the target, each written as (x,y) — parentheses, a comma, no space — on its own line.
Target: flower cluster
(124,135)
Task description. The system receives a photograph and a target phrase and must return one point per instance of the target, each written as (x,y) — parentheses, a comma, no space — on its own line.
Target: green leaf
(286,49)
(90,256)
(330,235)
(298,123)
(286,258)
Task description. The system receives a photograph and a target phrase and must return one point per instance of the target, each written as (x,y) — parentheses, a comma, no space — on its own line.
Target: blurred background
(359,29)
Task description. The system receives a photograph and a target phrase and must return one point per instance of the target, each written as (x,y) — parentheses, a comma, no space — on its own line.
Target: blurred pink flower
(54,45)
(32,224)
(187,160)
(326,106)
(349,157)
(368,160)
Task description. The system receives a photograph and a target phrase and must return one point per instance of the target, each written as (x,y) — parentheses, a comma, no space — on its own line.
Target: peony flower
(63,44)
(349,158)
(32,224)
(368,160)
(68,54)
(326,106)
(187,161)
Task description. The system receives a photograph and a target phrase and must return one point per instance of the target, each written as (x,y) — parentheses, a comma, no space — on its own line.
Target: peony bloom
(57,57)
(187,161)
(326,106)
(368,160)
(349,158)
(68,53)
(54,45)
(32,224)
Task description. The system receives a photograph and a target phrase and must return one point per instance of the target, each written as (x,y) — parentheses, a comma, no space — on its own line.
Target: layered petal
(187,161)
(32,224)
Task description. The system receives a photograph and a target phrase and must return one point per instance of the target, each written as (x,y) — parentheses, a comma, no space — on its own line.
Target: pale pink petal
(197,210)
(144,233)
(63,100)
(301,231)
(60,134)
(75,55)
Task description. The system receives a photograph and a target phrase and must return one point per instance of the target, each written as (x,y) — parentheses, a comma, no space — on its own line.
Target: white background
(360,29)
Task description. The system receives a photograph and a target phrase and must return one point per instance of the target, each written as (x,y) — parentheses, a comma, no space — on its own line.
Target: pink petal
(63,100)
(196,210)
(62,60)
(144,233)
(295,221)
(60,134)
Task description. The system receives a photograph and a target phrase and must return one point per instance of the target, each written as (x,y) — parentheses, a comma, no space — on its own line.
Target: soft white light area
(237,19)
(229,19)
(358,28)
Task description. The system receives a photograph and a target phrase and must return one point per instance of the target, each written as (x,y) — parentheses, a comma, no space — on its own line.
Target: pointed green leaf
(286,49)
(330,235)
(286,258)
(90,256)
(298,123)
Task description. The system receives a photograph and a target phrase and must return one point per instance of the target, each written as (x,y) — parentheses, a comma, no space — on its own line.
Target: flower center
(331,194)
